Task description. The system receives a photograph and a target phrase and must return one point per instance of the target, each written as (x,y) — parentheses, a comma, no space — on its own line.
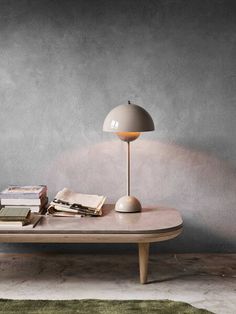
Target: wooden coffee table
(151,225)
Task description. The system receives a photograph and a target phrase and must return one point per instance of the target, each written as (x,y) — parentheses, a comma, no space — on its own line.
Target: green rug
(97,307)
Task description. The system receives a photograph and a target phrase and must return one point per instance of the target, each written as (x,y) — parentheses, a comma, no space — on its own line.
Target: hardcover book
(23,192)
(33,208)
(24,201)
(29,222)
(14,216)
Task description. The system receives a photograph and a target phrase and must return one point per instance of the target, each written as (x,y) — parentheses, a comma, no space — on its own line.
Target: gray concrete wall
(65,64)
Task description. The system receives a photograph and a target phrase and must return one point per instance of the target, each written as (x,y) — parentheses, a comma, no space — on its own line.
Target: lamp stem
(128,170)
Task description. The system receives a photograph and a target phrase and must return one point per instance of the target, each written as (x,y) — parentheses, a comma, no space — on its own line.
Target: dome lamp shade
(128,118)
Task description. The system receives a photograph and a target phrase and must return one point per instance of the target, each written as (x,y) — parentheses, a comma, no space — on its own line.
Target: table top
(150,220)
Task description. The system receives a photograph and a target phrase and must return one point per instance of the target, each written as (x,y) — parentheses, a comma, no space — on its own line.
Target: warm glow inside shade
(128,118)
(128,136)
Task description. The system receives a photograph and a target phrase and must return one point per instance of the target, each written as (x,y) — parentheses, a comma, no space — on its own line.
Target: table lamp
(127,121)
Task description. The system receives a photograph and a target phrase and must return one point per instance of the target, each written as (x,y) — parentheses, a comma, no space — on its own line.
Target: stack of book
(68,203)
(33,197)
(17,217)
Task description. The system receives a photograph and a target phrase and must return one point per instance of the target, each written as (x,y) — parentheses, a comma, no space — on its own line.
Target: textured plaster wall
(65,64)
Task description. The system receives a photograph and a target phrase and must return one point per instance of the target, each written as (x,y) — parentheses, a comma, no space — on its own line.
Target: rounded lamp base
(128,204)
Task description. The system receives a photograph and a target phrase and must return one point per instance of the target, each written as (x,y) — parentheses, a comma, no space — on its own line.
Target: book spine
(24,202)
(17,201)
(23,195)
(12,218)
(10,224)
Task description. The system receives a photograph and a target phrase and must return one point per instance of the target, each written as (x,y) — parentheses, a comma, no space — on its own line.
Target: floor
(205,281)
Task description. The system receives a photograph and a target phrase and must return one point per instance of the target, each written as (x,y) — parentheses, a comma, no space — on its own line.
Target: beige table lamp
(127,121)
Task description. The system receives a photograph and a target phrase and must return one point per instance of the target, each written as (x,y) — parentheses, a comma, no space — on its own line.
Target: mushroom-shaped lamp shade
(129,118)
(127,121)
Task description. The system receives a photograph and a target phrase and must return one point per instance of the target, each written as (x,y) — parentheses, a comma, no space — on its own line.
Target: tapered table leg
(143,261)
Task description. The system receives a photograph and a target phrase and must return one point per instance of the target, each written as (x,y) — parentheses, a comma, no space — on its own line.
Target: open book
(69,203)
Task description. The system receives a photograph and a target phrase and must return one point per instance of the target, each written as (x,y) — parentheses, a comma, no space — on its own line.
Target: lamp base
(128,204)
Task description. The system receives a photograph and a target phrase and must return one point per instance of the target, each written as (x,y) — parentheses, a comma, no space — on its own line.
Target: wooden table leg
(143,261)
